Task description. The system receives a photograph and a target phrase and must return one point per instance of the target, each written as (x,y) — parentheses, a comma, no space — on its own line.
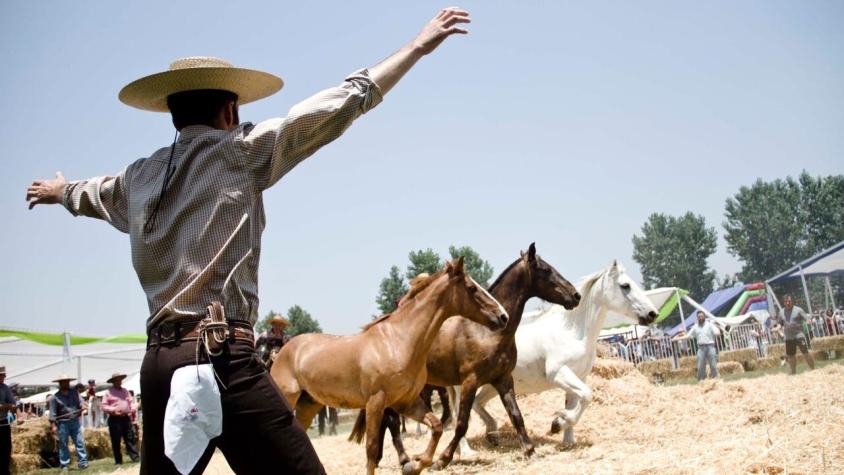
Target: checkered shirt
(206,241)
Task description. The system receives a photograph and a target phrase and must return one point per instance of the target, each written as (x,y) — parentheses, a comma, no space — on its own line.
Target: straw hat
(64,377)
(199,72)
(115,376)
(279,321)
(3,370)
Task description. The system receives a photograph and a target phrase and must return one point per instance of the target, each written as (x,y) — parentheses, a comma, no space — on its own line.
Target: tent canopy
(36,358)
(824,264)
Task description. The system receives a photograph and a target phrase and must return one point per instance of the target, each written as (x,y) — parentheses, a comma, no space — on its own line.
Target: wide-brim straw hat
(199,72)
(279,321)
(64,377)
(115,376)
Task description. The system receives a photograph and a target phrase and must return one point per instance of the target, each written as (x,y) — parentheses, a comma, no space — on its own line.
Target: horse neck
(586,320)
(512,293)
(417,322)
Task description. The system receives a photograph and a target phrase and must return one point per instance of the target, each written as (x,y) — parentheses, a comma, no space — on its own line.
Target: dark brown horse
(469,355)
(383,366)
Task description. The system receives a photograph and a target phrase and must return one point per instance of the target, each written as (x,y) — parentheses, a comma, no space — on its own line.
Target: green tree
(477,268)
(674,251)
(392,288)
(421,261)
(771,226)
(301,322)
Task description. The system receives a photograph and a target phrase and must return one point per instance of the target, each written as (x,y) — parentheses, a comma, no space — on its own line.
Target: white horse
(557,349)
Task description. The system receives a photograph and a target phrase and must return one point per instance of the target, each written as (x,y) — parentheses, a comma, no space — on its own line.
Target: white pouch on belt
(193,417)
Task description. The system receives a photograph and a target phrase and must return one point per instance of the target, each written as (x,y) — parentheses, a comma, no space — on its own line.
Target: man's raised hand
(46,192)
(446,23)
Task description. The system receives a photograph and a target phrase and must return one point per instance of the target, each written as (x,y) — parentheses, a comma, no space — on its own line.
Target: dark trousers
(5,448)
(260,434)
(120,427)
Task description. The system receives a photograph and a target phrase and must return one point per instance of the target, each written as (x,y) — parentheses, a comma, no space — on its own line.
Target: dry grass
(770,424)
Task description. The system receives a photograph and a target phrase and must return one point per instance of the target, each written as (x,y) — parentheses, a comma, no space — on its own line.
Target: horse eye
(625,286)
(473,289)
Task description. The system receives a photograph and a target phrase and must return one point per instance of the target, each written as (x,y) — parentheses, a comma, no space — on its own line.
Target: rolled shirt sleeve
(275,146)
(101,197)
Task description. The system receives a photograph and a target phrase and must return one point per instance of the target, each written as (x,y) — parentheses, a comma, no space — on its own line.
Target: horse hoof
(404,459)
(438,465)
(529,451)
(556,426)
(492,439)
(410,468)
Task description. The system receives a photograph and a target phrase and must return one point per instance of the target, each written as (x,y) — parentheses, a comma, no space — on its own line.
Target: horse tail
(359,429)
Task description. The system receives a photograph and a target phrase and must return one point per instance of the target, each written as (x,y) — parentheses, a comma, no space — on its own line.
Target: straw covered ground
(770,424)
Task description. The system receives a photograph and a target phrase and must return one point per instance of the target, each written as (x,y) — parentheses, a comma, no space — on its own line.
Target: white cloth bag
(193,417)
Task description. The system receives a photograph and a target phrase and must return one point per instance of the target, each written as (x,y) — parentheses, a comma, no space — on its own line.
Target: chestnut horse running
(468,355)
(384,366)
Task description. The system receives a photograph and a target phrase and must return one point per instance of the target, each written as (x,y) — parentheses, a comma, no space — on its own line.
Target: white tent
(30,362)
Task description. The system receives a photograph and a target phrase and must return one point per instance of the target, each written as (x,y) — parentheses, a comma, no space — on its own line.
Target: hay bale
(776,350)
(603,350)
(741,356)
(688,362)
(829,343)
(32,437)
(609,368)
(730,367)
(24,463)
(678,374)
(651,368)
(98,443)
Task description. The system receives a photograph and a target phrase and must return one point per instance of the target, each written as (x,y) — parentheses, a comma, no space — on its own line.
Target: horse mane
(502,274)
(417,285)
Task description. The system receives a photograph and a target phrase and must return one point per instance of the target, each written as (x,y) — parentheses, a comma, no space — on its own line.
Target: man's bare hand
(446,23)
(46,192)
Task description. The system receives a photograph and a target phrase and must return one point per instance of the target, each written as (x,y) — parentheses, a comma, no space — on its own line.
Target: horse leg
(418,412)
(391,421)
(374,415)
(332,421)
(484,396)
(463,449)
(443,395)
(464,410)
(578,398)
(508,398)
(306,409)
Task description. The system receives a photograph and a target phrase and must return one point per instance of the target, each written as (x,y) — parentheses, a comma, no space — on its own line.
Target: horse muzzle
(647,320)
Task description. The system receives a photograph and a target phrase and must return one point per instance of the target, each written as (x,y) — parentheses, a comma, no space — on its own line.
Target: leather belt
(173,333)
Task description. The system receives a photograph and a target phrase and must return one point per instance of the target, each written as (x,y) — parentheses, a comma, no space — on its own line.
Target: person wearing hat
(66,409)
(119,405)
(194,214)
(7,403)
(272,339)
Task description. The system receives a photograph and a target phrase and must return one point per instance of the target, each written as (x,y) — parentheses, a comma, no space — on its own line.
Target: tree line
(769,226)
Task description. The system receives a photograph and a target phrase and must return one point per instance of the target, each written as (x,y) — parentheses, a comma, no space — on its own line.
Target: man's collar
(192,131)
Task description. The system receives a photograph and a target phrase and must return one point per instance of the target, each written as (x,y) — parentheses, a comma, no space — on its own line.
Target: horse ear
(532,252)
(449,268)
(458,266)
(614,267)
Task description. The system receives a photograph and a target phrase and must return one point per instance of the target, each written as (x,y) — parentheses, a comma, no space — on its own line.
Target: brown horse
(469,355)
(384,366)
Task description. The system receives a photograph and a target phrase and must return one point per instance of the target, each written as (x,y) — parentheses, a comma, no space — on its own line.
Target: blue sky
(564,123)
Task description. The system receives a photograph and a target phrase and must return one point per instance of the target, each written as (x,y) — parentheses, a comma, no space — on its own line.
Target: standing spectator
(829,321)
(119,405)
(793,319)
(94,412)
(66,408)
(705,334)
(7,403)
(756,334)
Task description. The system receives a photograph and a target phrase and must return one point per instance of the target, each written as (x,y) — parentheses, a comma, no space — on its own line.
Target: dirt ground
(770,424)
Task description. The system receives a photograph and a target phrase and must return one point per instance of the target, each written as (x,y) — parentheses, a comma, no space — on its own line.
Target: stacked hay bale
(32,442)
